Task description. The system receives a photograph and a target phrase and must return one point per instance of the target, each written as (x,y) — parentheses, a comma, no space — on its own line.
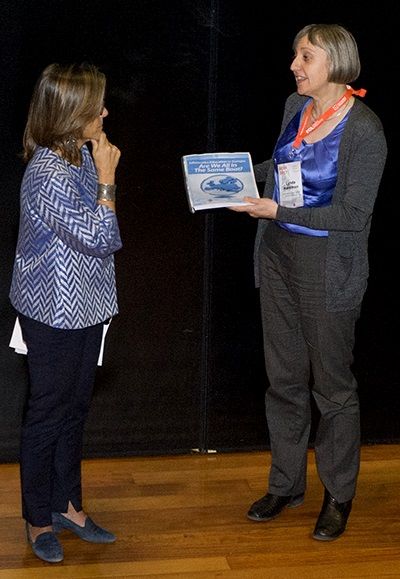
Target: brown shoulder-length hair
(65,99)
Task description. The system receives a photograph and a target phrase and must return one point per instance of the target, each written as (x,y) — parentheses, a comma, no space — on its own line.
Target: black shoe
(332,519)
(270,506)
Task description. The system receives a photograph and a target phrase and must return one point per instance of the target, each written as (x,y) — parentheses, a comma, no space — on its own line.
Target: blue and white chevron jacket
(64,273)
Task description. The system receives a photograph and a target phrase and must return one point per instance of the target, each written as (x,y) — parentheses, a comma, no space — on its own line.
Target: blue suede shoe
(90,532)
(47,547)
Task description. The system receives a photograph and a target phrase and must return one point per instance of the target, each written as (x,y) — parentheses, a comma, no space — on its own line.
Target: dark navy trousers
(62,366)
(308,352)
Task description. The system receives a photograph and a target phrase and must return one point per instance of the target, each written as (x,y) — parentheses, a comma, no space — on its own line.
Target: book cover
(218,179)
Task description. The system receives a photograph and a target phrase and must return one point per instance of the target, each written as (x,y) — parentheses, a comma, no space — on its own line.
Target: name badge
(290,184)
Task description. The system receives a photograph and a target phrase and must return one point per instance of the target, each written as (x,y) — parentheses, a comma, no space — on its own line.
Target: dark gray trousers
(307,350)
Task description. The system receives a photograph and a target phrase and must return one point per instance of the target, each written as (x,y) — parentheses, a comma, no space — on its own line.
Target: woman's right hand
(260,208)
(106,158)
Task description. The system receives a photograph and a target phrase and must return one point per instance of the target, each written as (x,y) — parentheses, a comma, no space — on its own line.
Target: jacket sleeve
(261,170)
(86,230)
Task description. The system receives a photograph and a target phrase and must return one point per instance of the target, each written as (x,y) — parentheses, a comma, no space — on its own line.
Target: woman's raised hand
(106,157)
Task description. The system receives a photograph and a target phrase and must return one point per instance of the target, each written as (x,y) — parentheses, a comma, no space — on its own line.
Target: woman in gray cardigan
(311,263)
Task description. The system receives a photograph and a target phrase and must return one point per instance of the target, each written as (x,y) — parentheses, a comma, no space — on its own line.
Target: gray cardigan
(362,157)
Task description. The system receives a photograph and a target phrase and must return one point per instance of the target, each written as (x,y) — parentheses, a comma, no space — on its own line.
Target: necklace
(314,116)
(305,130)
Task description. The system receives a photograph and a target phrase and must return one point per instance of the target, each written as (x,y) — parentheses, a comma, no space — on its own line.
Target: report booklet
(218,180)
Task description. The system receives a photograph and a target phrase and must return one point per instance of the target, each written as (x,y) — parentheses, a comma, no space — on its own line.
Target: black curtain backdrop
(183,365)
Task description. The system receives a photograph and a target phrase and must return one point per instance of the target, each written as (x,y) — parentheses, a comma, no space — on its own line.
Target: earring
(71,141)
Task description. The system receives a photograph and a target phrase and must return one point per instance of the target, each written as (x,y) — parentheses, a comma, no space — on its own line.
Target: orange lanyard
(303,132)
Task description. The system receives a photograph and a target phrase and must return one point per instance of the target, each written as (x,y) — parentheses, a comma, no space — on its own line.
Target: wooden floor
(185,517)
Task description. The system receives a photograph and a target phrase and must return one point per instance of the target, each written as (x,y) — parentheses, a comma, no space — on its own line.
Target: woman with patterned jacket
(63,289)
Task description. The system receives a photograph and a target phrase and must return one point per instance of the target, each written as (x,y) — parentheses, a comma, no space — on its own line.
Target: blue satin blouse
(318,168)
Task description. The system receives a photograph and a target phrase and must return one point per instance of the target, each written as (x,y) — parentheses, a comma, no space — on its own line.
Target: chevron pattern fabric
(64,273)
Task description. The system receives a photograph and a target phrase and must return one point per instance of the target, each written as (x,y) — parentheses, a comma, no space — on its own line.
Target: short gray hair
(340,46)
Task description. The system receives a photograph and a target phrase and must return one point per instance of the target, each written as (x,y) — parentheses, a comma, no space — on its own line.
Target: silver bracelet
(106,192)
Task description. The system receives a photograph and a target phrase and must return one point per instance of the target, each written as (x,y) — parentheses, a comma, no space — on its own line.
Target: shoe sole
(326,539)
(48,560)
